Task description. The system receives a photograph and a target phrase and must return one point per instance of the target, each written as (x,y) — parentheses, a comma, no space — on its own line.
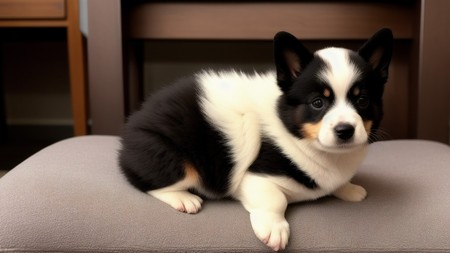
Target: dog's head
(334,96)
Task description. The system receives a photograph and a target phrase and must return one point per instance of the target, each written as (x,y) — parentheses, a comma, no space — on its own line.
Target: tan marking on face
(190,172)
(311,130)
(356,91)
(327,92)
(368,126)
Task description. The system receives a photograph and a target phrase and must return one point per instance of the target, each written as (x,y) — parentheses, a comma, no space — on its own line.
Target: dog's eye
(363,102)
(317,103)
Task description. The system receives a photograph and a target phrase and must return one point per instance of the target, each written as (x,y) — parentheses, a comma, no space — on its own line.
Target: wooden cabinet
(54,13)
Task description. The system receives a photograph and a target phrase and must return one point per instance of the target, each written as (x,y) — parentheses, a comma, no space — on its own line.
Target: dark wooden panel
(105,66)
(238,21)
(434,76)
(396,123)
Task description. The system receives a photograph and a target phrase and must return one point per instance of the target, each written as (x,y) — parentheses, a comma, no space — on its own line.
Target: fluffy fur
(266,140)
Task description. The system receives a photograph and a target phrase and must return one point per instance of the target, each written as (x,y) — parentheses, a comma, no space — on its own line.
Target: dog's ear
(291,57)
(377,51)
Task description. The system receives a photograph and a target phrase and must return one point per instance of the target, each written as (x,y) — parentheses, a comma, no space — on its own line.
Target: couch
(72,197)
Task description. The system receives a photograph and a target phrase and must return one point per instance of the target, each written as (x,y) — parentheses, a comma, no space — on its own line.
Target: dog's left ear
(291,57)
(377,51)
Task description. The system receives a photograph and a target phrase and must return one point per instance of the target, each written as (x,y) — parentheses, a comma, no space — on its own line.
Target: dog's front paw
(272,229)
(351,192)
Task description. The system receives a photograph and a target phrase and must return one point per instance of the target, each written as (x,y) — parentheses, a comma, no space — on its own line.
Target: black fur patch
(371,86)
(169,131)
(271,161)
(295,107)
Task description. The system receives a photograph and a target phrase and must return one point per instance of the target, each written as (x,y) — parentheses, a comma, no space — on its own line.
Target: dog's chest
(328,172)
(331,171)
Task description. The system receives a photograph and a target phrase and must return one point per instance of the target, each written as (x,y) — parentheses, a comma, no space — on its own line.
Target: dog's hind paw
(182,201)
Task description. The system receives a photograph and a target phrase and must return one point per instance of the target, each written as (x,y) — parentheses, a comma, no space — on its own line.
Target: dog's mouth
(339,147)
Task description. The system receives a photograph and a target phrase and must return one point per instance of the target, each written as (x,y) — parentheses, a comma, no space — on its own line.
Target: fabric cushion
(71,196)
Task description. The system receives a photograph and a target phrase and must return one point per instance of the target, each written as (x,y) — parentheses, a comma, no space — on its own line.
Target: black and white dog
(266,140)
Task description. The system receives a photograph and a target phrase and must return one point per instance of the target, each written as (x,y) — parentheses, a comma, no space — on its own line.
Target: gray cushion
(72,197)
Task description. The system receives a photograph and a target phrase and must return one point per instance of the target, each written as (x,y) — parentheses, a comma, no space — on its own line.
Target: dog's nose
(344,131)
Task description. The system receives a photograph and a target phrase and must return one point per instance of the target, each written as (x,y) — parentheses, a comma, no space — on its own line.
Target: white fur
(340,113)
(351,192)
(266,203)
(243,107)
(178,197)
(340,74)
(228,104)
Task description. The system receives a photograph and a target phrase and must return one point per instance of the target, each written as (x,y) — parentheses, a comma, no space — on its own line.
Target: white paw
(351,192)
(271,229)
(182,201)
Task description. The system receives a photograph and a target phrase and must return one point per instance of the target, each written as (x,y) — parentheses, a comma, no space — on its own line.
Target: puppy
(267,140)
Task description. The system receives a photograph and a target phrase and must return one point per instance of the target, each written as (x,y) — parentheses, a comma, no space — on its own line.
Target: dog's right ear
(291,57)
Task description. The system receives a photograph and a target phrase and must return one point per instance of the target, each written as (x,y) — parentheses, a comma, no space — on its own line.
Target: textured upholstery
(71,197)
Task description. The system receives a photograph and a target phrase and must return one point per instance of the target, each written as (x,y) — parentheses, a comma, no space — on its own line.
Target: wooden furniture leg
(77,70)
